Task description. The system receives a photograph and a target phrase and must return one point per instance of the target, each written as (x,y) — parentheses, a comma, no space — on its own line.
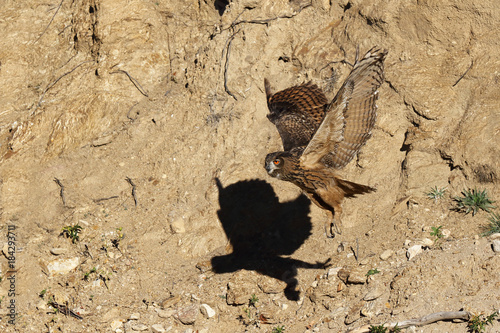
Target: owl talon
(329,230)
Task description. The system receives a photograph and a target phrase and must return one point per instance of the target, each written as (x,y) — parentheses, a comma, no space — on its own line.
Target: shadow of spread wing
(350,116)
(297,112)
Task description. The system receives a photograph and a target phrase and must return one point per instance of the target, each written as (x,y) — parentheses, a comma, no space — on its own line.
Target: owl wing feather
(350,117)
(297,113)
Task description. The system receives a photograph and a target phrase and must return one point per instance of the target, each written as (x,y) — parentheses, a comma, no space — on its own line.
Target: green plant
(253,300)
(436,232)
(473,201)
(436,193)
(477,324)
(382,329)
(278,329)
(86,275)
(372,272)
(377,329)
(72,231)
(494,226)
(42,293)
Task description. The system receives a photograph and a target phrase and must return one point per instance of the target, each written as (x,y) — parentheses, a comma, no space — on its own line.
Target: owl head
(279,164)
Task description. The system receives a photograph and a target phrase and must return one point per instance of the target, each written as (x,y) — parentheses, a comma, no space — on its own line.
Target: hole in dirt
(91,10)
(221,5)
(263,232)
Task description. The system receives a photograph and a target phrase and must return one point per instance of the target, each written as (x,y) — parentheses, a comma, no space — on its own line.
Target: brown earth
(170,95)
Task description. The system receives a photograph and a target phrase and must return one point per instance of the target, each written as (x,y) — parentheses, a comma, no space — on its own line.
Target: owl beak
(270,168)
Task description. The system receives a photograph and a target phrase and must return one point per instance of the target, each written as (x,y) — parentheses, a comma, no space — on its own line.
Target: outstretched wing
(297,112)
(350,116)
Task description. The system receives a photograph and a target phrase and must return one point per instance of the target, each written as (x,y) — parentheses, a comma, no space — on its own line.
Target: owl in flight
(320,137)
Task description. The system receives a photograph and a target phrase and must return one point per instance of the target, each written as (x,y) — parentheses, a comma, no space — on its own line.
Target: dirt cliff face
(170,95)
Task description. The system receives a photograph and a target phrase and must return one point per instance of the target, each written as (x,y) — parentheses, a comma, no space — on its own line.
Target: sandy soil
(144,122)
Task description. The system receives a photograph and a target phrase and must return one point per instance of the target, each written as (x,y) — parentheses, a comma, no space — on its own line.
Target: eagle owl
(320,137)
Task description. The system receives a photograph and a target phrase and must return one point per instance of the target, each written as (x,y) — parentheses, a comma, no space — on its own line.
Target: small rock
(80,310)
(364,261)
(407,243)
(171,301)
(103,140)
(354,313)
(496,245)
(332,272)
(240,287)
(165,313)
(187,315)
(135,316)
(411,329)
(113,313)
(343,274)
(60,297)
(357,276)
(158,328)
(413,251)
(375,292)
(58,251)
(386,254)
(495,236)
(139,327)
(62,266)
(116,324)
(178,226)
(42,305)
(270,285)
(446,233)
(367,310)
(426,242)
(207,311)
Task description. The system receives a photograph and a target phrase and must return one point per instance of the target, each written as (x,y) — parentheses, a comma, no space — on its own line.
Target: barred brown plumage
(320,137)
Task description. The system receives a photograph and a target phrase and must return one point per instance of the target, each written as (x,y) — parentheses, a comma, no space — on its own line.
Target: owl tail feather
(351,189)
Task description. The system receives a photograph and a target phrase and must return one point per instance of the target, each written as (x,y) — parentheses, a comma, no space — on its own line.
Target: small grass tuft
(477,324)
(72,231)
(253,300)
(436,193)
(372,272)
(382,329)
(278,329)
(473,201)
(494,226)
(436,232)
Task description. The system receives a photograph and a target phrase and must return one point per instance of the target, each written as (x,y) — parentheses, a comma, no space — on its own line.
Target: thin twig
(57,80)
(265,21)
(61,192)
(52,19)
(461,77)
(134,81)
(226,66)
(133,189)
(425,320)
(64,310)
(128,113)
(103,199)
(356,252)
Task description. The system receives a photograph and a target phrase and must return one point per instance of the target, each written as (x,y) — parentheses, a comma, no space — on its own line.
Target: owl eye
(277,162)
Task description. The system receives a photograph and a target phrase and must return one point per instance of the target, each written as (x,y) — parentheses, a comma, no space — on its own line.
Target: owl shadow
(261,230)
